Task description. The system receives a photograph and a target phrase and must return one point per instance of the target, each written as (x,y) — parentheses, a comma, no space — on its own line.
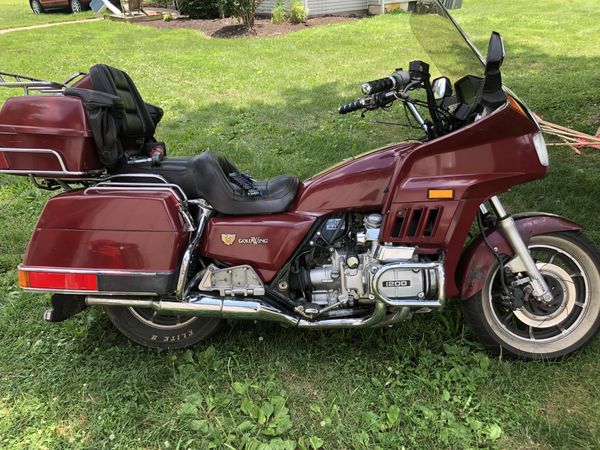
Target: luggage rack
(31,85)
(155,183)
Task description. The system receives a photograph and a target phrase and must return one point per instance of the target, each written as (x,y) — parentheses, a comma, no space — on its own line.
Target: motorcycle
(170,247)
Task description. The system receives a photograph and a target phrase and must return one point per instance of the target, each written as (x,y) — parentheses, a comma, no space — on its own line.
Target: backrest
(136,121)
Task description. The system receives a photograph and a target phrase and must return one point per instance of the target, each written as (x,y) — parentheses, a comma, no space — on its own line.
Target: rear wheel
(151,329)
(570,264)
(36,7)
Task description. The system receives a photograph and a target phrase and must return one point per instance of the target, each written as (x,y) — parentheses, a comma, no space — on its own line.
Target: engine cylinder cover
(407,283)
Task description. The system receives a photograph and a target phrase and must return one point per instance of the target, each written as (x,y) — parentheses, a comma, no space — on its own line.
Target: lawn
(270,104)
(17,13)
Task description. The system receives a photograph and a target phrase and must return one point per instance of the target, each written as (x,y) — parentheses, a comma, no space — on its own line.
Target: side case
(111,242)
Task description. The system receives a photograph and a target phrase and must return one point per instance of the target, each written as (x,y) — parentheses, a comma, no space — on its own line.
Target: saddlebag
(109,241)
(47,136)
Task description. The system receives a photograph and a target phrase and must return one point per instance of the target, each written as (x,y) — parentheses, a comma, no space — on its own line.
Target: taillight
(58,281)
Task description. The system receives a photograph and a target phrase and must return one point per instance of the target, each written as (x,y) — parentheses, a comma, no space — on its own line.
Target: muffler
(252,309)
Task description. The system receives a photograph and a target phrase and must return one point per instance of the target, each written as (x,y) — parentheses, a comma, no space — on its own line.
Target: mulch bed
(231,28)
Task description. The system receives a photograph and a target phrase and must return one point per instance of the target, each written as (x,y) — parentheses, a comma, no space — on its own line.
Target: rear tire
(571,268)
(36,7)
(150,329)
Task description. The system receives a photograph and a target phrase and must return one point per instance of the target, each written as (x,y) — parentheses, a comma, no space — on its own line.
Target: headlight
(541,149)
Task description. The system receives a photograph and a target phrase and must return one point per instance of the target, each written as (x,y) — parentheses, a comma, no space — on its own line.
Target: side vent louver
(416,222)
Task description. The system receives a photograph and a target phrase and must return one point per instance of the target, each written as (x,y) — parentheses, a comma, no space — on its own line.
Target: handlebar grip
(375,86)
(351,107)
(395,80)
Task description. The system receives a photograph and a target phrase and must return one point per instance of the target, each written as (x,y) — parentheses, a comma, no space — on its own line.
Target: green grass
(17,13)
(270,104)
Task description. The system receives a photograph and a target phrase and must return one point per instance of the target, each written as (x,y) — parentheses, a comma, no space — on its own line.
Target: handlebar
(354,106)
(371,102)
(394,81)
(379,92)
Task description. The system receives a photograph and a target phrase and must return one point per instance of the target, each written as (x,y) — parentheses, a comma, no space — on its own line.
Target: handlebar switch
(419,70)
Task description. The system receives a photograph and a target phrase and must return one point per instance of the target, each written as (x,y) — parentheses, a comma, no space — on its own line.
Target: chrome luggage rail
(44,173)
(30,84)
(110,185)
(112,181)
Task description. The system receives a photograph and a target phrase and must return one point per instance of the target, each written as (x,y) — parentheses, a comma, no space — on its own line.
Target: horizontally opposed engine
(345,264)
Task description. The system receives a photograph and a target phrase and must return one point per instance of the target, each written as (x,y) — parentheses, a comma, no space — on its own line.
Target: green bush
(199,9)
(206,9)
(245,10)
(298,13)
(279,15)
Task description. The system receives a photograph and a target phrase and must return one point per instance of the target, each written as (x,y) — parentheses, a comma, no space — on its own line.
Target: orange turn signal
(23,279)
(440,194)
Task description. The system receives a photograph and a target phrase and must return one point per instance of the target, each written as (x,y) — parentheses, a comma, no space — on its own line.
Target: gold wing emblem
(228,239)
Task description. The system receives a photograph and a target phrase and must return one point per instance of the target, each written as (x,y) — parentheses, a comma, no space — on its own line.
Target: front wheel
(570,264)
(76,6)
(151,329)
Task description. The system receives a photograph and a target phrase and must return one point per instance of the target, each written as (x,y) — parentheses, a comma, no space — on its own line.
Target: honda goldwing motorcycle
(172,246)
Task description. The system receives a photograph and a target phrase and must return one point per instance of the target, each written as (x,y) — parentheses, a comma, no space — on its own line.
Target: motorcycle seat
(207,176)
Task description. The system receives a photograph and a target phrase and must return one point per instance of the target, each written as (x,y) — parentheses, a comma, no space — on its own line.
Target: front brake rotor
(561,283)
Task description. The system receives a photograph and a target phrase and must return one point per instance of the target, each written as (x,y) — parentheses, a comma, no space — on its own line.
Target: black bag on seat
(103,113)
(121,121)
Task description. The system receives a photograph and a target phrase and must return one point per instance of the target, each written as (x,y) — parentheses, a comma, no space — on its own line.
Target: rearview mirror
(442,88)
(496,53)
(493,95)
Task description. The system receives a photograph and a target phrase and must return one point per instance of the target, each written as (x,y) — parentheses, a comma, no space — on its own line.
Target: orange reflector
(441,194)
(58,281)
(23,279)
(515,105)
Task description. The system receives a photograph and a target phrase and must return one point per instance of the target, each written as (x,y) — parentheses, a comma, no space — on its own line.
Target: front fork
(523,261)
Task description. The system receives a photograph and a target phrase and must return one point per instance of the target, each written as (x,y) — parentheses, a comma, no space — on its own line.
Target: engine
(347,265)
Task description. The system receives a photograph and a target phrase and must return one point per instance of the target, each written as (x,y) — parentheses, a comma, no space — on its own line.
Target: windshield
(448,47)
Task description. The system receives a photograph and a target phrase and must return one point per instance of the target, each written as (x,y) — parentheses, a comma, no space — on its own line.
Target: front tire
(150,329)
(76,6)
(570,263)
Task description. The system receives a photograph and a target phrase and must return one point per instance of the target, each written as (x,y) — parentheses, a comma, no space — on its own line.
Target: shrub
(199,9)
(278,15)
(205,9)
(245,10)
(298,13)
(167,17)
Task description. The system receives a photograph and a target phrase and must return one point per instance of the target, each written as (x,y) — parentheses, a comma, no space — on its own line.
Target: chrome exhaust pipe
(252,309)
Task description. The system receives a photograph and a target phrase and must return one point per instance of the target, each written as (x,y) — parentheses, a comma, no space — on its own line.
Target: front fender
(477,259)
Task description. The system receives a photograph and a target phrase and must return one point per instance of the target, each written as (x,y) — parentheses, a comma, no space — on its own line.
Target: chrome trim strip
(93,271)
(109,293)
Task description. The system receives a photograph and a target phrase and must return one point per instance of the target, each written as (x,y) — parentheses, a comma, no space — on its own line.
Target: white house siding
(321,7)
(266,7)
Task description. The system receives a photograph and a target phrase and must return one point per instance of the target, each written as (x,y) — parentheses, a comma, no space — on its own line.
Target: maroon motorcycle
(172,246)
